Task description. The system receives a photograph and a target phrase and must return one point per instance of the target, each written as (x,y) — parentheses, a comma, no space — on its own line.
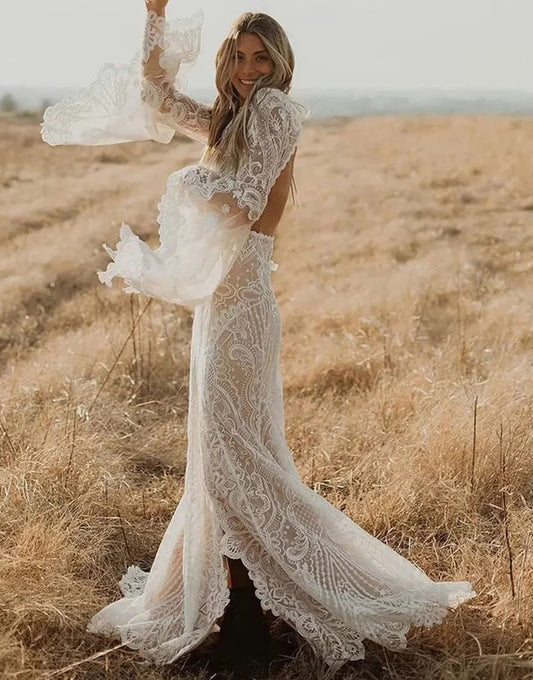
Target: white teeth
(247,82)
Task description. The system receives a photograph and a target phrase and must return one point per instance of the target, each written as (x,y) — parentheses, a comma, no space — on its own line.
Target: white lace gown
(311,565)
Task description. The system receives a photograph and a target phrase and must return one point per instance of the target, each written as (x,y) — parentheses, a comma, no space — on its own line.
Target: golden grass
(405,287)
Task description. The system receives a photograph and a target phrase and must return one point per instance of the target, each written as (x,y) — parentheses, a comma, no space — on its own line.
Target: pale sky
(339,44)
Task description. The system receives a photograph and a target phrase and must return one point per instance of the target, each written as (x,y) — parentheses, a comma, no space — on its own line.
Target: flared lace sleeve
(140,100)
(205,215)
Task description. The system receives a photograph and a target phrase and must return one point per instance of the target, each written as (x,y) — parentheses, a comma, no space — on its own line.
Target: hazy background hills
(357,102)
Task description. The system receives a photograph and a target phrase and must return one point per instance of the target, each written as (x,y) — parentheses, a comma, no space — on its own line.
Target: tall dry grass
(405,287)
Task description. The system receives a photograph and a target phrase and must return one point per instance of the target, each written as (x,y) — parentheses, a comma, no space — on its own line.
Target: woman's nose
(248,68)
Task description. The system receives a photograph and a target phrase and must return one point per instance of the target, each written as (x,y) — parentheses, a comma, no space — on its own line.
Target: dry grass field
(405,285)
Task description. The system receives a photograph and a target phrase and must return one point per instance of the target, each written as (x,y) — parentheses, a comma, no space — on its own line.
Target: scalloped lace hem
(409,607)
(410,611)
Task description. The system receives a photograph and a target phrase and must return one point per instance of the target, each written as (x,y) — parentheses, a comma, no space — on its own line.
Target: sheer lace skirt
(311,565)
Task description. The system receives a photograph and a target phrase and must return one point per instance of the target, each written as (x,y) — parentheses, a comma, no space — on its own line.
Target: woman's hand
(157,6)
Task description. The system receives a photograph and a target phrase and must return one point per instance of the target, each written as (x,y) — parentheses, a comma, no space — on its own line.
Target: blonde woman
(247,535)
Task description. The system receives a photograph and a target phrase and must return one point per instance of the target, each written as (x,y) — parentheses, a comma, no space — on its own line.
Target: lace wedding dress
(311,565)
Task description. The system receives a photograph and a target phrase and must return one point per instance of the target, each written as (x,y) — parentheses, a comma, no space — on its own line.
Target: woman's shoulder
(269,98)
(272,94)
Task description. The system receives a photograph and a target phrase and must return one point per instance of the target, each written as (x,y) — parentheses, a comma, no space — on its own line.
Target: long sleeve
(205,216)
(140,100)
(273,132)
(166,46)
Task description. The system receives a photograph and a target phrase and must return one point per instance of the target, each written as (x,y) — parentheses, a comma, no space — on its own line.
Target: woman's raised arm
(165,48)
(140,99)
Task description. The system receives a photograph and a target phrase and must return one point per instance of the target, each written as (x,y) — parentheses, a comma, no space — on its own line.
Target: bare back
(277,199)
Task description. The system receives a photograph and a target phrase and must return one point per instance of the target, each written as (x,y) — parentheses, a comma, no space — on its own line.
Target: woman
(245,513)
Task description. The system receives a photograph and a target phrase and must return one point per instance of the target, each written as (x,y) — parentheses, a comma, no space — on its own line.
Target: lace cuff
(139,100)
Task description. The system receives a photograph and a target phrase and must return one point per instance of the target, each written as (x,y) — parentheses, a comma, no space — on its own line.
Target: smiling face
(252,61)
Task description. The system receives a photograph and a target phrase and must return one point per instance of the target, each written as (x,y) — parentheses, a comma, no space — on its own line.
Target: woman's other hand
(158,6)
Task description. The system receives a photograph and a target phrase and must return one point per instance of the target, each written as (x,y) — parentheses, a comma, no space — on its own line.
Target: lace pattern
(206,214)
(166,47)
(325,575)
(123,104)
(275,126)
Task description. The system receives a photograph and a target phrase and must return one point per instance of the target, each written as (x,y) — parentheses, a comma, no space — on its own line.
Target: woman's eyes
(258,58)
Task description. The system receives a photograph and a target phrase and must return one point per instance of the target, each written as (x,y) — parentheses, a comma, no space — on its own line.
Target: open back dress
(243,497)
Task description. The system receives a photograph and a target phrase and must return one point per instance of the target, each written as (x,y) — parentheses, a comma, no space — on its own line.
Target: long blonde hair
(227,108)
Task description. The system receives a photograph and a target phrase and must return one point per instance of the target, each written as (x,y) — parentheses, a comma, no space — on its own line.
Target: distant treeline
(10,104)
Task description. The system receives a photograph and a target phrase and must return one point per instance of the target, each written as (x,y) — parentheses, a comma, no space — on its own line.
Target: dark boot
(244,634)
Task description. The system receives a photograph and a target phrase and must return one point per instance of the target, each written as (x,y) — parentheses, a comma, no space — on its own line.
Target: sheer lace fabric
(206,213)
(243,497)
(123,104)
(314,567)
(167,46)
